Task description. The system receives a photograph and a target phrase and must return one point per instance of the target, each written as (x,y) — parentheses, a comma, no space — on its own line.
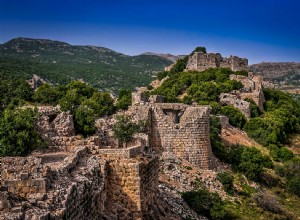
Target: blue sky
(264,30)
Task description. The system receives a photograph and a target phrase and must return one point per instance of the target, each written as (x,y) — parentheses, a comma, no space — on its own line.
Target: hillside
(59,63)
(283,73)
(168,56)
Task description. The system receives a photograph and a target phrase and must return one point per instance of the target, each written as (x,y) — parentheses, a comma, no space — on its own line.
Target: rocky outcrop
(36,81)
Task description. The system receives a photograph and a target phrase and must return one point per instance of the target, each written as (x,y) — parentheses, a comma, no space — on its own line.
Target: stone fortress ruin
(200,61)
(253,90)
(93,178)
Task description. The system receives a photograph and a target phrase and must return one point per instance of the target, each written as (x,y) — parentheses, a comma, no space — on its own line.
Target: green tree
(47,94)
(124,129)
(71,101)
(84,121)
(125,99)
(200,49)
(18,136)
(103,104)
(81,88)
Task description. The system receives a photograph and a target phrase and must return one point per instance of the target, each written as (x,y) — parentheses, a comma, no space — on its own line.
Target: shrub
(226,179)
(161,75)
(236,118)
(46,94)
(280,154)
(267,202)
(253,162)
(18,136)
(205,203)
(84,121)
(293,185)
(255,112)
(124,99)
(180,65)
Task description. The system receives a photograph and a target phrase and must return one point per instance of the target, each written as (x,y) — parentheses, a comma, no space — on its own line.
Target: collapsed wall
(52,186)
(252,90)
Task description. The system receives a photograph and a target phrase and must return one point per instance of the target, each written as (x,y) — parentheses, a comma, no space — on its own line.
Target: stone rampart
(199,61)
(183,130)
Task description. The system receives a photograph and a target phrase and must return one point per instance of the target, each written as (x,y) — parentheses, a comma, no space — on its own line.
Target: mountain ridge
(60,62)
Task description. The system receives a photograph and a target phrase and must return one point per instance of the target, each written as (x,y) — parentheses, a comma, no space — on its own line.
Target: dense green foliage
(47,94)
(255,111)
(125,128)
(247,160)
(124,99)
(205,203)
(226,179)
(200,49)
(61,63)
(13,91)
(83,101)
(180,65)
(236,118)
(17,134)
(282,117)
(201,87)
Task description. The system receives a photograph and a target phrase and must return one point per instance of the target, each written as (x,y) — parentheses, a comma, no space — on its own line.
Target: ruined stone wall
(117,153)
(58,185)
(133,188)
(253,88)
(87,201)
(238,64)
(183,130)
(237,102)
(149,173)
(201,61)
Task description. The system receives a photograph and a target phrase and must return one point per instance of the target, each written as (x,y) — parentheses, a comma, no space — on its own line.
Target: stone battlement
(199,61)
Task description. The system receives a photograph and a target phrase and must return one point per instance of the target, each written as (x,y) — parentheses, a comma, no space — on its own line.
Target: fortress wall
(133,185)
(183,130)
(201,61)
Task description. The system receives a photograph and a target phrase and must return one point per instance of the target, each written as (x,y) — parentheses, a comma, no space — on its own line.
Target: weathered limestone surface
(236,101)
(201,61)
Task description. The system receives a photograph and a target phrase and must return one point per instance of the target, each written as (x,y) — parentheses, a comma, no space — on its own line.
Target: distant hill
(168,56)
(60,62)
(284,74)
